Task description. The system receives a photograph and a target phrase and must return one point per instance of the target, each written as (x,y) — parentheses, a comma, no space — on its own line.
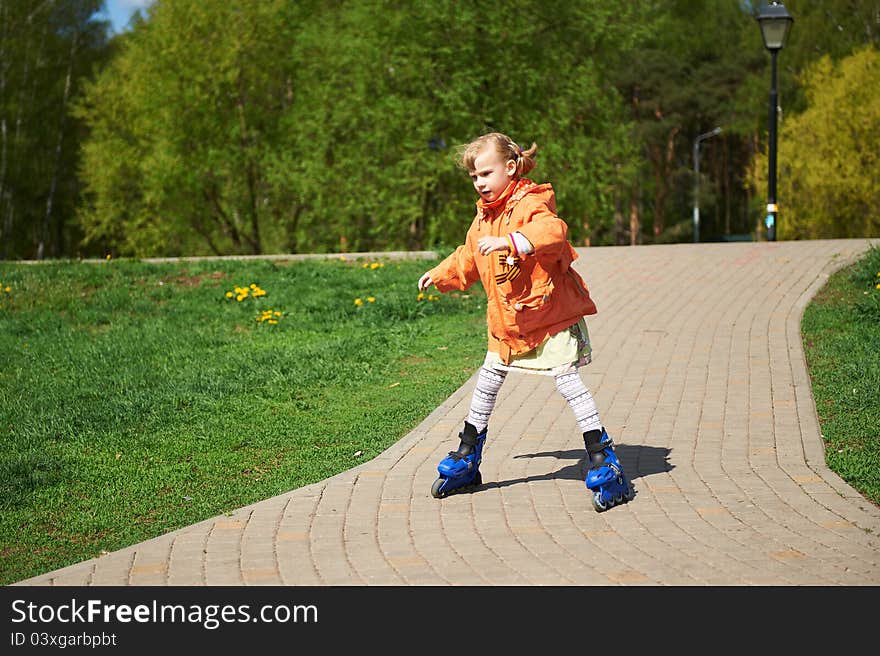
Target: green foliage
(829,155)
(46,50)
(136,399)
(823,28)
(182,123)
(841,330)
(320,126)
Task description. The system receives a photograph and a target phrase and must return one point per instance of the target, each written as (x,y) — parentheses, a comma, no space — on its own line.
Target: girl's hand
(489,244)
(425,282)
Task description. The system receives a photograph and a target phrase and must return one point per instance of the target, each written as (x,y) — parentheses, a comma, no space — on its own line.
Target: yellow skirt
(565,351)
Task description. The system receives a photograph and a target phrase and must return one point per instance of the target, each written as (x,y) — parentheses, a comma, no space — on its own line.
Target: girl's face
(491,173)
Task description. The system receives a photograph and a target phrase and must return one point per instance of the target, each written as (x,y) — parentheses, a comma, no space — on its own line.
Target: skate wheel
(630,493)
(597,502)
(618,498)
(435,488)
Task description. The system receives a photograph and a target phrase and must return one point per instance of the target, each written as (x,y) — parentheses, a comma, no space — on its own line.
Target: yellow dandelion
(108,256)
(7,289)
(366,264)
(371,299)
(229,294)
(268,316)
(374,265)
(358,302)
(420,297)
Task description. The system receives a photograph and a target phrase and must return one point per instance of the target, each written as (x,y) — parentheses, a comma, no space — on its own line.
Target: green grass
(136,398)
(841,331)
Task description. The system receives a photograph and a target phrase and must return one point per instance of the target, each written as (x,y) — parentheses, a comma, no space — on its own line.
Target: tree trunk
(726,189)
(417,225)
(53,185)
(635,227)
(662,170)
(5,237)
(3,66)
(251,173)
(292,226)
(228,225)
(618,223)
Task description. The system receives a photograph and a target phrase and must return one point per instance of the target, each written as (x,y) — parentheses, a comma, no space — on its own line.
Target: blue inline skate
(605,477)
(461,468)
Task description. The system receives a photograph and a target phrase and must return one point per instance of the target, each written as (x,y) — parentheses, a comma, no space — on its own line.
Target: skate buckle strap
(598,446)
(614,467)
(455,455)
(607,463)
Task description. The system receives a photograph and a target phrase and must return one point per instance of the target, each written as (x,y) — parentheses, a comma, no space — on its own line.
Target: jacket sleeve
(547,233)
(459,270)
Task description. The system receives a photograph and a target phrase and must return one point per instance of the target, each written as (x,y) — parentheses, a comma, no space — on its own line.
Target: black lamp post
(775,22)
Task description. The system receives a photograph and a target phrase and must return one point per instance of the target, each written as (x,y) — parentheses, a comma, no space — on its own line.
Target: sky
(118,12)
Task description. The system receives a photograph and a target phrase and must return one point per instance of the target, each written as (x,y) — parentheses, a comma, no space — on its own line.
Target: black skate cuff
(597,447)
(468,435)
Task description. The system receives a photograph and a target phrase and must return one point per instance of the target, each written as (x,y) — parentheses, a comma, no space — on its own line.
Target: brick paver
(700,378)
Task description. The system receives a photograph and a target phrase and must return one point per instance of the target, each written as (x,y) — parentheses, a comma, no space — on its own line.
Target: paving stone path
(700,378)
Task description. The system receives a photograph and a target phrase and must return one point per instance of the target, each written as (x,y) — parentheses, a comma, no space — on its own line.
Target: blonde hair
(504,146)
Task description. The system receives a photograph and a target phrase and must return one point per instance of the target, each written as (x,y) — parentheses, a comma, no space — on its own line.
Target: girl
(517,248)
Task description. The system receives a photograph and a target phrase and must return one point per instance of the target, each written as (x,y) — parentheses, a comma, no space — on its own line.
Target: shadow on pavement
(638,461)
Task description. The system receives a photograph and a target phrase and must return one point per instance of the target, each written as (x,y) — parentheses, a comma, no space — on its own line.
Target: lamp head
(775,23)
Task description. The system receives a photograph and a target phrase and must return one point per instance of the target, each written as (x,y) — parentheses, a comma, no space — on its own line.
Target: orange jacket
(531,296)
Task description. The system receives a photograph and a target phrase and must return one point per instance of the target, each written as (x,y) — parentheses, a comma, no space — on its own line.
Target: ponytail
(525,160)
(505,146)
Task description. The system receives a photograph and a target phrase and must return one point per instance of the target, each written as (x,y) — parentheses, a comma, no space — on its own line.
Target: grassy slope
(136,398)
(841,329)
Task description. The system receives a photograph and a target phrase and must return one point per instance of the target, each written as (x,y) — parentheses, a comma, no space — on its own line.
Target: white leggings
(569,385)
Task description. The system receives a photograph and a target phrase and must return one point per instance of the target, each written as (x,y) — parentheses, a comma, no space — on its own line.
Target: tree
(829,155)
(184,122)
(324,126)
(46,49)
(390,90)
(701,64)
(691,71)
